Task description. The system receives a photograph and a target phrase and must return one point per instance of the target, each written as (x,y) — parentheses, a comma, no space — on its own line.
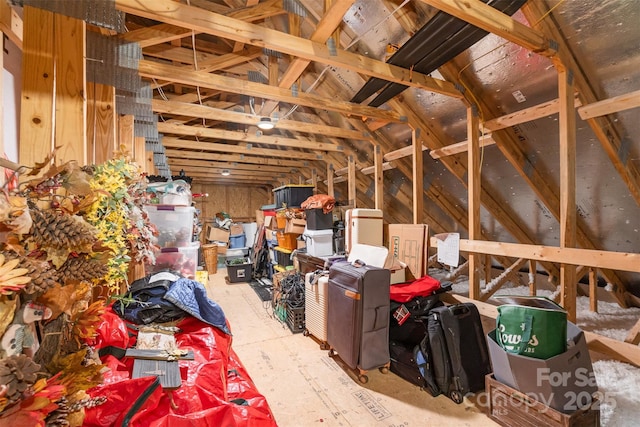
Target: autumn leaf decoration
(12,279)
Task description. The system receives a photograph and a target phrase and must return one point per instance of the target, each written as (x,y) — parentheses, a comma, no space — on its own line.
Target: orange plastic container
(287,240)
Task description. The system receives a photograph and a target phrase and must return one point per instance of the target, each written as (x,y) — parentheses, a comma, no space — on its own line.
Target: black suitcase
(358,316)
(457,348)
(403,363)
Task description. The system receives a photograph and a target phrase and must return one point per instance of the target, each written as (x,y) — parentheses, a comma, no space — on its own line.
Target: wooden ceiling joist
(611,105)
(234,29)
(231,165)
(203,111)
(201,132)
(175,74)
(169,142)
(240,158)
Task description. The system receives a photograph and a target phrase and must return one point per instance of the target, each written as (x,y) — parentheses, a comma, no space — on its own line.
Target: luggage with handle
(358,316)
(456,345)
(315,313)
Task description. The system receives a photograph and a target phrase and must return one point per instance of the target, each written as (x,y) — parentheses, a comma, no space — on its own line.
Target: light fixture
(225,172)
(265,123)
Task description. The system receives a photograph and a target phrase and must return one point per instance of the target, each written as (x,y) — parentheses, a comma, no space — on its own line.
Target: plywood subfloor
(305,387)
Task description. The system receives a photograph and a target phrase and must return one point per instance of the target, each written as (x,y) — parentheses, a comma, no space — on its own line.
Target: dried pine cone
(59,417)
(18,373)
(81,268)
(43,275)
(58,230)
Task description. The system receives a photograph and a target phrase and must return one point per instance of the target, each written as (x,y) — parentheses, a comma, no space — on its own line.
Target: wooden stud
(473,189)
(71,82)
(11,24)
(593,289)
(533,291)
(138,154)
(36,109)
(351,181)
(101,122)
(378,178)
(330,190)
(417,176)
(126,133)
(567,120)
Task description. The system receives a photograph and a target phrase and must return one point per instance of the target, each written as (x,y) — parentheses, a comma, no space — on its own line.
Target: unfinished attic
(511,124)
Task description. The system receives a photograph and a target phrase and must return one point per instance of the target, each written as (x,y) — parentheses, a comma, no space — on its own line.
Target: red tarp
(216,389)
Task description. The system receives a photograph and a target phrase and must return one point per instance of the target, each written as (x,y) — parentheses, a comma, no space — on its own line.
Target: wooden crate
(509,407)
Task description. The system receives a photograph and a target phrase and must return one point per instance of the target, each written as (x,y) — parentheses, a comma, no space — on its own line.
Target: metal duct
(101,13)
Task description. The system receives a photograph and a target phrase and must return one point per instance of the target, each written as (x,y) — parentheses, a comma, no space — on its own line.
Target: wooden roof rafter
(234,29)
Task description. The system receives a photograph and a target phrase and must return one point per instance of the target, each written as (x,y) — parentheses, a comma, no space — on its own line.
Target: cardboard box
(270,222)
(236,229)
(259,217)
(222,248)
(561,382)
(217,234)
(408,243)
(295,226)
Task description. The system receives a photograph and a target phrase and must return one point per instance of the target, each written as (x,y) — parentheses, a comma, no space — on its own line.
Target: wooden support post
(533,288)
(378,177)
(593,289)
(473,188)
(567,120)
(71,81)
(101,122)
(418,187)
(351,181)
(314,180)
(634,334)
(330,191)
(125,134)
(487,268)
(150,167)
(506,276)
(36,107)
(138,154)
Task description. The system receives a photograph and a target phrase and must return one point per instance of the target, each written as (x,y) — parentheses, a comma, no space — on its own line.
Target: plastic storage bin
(287,240)
(239,270)
(319,242)
(318,220)
(237,241)
(283,256)
(174,224)
(292,195)
(183,260)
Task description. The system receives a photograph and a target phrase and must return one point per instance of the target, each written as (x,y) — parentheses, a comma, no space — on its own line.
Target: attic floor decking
(304,386)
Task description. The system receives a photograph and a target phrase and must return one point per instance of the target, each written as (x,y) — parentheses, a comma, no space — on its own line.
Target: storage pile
(177,242)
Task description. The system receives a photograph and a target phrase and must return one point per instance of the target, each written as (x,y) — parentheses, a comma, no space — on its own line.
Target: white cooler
(319,242)
(363,226)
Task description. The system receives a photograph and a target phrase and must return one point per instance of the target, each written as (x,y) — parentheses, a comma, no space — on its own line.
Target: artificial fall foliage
(65,232)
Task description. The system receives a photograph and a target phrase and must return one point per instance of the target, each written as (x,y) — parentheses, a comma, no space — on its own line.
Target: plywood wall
(240,202)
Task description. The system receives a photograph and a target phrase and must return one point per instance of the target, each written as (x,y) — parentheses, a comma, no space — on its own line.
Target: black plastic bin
(292,195)
(239,272)
(318,220)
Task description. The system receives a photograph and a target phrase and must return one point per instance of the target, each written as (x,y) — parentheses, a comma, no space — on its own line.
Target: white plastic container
(319,242)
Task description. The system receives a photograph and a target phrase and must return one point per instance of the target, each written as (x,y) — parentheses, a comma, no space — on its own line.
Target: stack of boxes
(318,233)
(286,226)
(177,251)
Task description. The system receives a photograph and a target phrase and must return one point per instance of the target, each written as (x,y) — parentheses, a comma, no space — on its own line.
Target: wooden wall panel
(70,105)
(101,122)
(240,202)
(36,109)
